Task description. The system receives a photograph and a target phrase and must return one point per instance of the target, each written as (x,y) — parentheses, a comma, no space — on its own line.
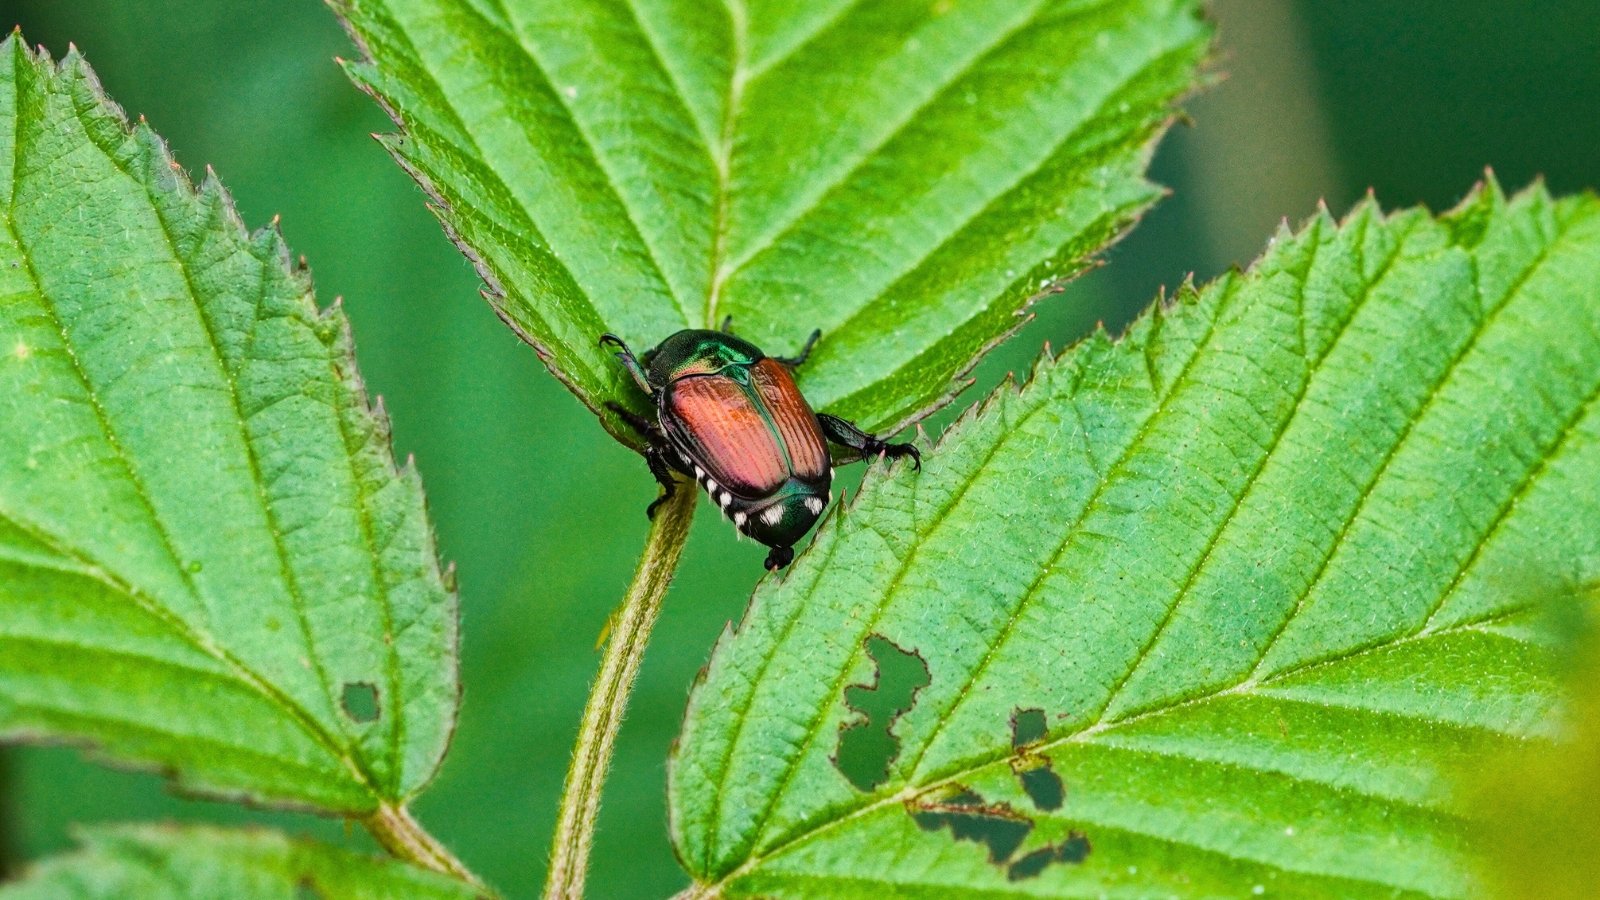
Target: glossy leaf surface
(1215,608)
(903,176)
(208,560)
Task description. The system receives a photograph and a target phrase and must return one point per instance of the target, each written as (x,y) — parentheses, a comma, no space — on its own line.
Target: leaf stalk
(608,698)
(405,838)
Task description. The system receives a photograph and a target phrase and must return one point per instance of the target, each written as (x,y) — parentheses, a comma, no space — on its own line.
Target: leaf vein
(965,769)
(202,641)
(778,228)
(1435,390)
(923,538)
(590,146)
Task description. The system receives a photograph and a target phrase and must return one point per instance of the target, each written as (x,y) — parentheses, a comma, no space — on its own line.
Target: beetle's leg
(778,557)
(805,352)
(727,324)
(657,453)
(646,428)
(656,458)
(628,360)
(841,432)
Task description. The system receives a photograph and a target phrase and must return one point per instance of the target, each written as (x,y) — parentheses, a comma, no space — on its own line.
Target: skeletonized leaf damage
(1248,582)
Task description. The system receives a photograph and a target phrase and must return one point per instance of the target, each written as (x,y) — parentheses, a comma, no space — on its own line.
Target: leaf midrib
(285,570)
(1553,451)
(194,637)
(198,640)
(894,887)
(719,151)
(722,152)
(925,538)
(811,199)
(804,833)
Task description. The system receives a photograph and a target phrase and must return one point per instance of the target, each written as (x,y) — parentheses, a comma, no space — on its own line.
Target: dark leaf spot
(361,701)
(1075,849)
(969,818)
(306,889)
(867,744)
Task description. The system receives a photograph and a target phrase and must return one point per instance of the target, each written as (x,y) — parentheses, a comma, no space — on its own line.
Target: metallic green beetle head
(696,352)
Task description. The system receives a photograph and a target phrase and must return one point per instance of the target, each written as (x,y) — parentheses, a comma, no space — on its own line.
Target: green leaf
(208,560)
(904,176)
(1538,809)
(1242,586)
(157,862)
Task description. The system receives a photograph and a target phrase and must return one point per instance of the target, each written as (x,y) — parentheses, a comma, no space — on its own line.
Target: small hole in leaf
(1028,726)
(1042,785)
(1033,770)
(361,701)
(998,826)
(1075,849)
(867,744)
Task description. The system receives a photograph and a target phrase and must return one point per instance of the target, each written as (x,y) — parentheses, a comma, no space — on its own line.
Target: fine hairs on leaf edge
(1186,295)
(334,332)
(1050,277)
(494,292)
(1054,283)
(1179,302)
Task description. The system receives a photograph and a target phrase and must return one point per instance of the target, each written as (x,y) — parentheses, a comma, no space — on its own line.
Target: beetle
(731,418)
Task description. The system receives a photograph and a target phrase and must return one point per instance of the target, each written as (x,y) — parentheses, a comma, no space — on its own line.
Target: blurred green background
(542,512)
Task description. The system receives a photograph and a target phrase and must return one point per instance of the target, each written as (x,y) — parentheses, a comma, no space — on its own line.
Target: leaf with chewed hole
(181,863)
(1253,579)
(905,176)
(209,562)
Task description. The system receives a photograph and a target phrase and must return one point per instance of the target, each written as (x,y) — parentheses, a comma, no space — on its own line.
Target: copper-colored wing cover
(791,414)
(733,430)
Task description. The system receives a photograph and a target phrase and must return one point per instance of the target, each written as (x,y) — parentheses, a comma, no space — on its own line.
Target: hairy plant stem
(405,838)
(608,698)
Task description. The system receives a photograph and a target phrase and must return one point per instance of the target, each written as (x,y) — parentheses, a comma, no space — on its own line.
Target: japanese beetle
(731,418)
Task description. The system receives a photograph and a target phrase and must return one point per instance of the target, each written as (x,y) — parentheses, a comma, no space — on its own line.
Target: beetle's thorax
(698,352)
